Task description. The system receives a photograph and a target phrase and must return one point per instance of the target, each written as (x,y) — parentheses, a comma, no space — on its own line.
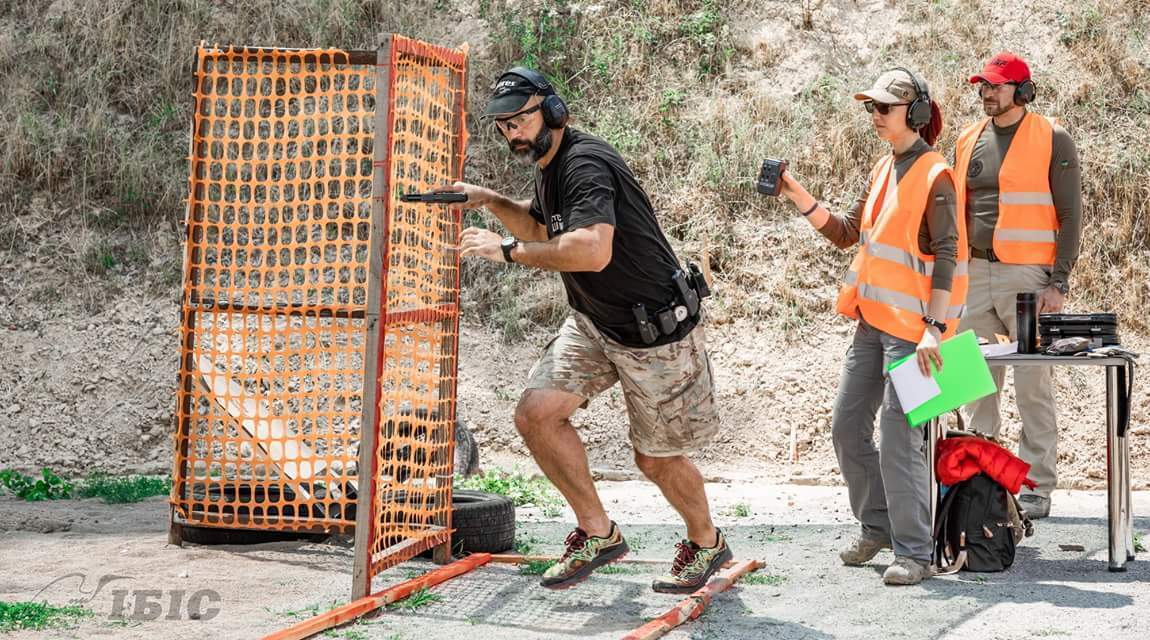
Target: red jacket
(963,457)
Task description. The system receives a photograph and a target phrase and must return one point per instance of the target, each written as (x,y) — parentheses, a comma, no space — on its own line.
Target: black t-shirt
(586,183)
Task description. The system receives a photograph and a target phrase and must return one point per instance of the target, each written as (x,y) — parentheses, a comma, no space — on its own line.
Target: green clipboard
(965,377)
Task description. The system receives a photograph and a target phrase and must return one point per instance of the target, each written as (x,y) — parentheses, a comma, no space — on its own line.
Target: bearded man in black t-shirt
(591,221)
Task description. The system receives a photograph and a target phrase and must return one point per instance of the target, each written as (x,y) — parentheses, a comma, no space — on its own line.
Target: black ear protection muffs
(918,113)
(1024,92)
(553,108)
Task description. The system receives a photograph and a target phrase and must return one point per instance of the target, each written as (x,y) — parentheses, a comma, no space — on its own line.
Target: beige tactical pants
(990,309)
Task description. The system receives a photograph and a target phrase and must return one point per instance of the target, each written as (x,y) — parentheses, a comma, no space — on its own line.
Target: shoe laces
(683,557)
(575,542)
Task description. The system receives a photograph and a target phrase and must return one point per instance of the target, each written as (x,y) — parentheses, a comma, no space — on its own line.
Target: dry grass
(96,138)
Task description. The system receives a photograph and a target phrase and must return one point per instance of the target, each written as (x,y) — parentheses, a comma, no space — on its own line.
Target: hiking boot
(584,555)
(905,571)
(862,549)
(1034,505)
(693,566)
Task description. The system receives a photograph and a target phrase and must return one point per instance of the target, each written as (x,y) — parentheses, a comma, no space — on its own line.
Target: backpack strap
(943,564)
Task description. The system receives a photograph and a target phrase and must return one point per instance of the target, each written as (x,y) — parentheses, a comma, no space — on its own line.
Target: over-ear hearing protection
(553,108)
(918,112)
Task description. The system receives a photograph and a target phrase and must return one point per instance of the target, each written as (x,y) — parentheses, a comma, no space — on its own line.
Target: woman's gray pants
(888,486)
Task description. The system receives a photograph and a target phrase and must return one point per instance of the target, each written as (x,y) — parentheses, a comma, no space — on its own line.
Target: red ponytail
(934,127)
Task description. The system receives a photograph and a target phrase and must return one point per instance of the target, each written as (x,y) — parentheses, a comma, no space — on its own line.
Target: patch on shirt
(556,224)
(975,169)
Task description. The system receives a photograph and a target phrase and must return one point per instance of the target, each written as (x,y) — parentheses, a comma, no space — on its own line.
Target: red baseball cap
(1002,68)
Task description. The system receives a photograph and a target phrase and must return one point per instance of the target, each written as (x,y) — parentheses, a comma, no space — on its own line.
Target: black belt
(985,254)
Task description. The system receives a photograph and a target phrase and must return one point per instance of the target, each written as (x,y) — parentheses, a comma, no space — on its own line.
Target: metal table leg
(1128,526)
(932,430)
(1115,491)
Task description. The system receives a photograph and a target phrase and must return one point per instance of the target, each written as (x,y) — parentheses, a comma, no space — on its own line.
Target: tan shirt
(1065,185)
(938,234)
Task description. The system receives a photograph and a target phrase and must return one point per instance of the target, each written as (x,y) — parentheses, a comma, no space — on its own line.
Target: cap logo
(999,62)
(894,87)
(506,86)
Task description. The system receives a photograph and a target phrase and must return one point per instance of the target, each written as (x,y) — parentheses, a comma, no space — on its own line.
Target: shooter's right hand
(476,196)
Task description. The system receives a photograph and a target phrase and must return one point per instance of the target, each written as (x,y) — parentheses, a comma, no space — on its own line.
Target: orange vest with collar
(1027,228)
(889,281)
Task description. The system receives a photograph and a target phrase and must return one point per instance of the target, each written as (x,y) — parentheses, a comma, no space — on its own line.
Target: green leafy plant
(15,616)
(521,489)
(118,490)
(48,487)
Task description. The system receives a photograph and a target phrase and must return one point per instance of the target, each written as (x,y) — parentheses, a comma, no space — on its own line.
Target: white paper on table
(992,350)
(913,388)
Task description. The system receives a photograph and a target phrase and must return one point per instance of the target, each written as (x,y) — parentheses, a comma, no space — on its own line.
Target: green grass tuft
(417,600)
(535,567)
(769,579)
(118,490)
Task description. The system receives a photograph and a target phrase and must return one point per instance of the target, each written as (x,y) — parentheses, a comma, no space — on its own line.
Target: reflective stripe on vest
(898,299)
(894,254)
(1026,231)
(1026,197)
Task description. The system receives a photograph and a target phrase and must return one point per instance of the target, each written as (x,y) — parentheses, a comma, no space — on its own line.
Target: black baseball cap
(512,91)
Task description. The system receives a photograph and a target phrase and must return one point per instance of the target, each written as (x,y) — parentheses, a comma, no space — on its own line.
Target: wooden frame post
(376,300)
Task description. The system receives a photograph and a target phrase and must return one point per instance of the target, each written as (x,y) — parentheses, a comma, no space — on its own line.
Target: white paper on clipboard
(913,388)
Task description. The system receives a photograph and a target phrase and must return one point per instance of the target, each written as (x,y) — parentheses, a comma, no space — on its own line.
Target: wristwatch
(1061,287)
(941,326)
(508,245)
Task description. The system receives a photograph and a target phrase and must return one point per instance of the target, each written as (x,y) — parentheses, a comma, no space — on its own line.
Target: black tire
(483,522)
(217,535)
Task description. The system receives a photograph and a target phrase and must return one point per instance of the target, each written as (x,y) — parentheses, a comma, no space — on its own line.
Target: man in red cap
(1023,187)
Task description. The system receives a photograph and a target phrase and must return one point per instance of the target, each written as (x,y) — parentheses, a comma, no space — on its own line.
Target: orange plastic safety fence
(427,138)
(275,287)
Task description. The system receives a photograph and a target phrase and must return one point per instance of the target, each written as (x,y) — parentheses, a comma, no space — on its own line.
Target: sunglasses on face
(986,86)
(511,123)
(871,106)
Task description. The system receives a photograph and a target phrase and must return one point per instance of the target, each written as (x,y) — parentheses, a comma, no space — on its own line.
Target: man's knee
(655,467)
(537,411)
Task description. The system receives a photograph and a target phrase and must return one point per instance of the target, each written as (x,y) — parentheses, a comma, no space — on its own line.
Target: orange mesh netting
(293,177)
(411,508)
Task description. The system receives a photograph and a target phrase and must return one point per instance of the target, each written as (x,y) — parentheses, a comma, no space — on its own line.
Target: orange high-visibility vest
(1027,227)
(889,279)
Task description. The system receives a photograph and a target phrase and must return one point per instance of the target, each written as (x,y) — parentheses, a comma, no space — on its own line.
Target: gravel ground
(796,530)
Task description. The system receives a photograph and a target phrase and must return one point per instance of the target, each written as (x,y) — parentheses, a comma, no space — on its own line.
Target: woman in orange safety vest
(906,288)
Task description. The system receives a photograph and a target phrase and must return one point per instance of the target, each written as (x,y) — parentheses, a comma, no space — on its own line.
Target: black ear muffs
(553,108)
(1024,92)
(918,113)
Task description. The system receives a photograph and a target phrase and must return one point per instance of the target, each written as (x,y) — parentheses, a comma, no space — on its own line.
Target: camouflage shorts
(669,389)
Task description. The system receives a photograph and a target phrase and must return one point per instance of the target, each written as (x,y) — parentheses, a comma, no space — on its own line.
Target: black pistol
(687,295)
(697,279)
(770,181)
(647,331)
(441,197)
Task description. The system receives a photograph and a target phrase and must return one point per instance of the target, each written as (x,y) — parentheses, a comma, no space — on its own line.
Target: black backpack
(978,526)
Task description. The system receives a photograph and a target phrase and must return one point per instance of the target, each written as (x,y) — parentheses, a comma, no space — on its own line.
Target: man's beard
(994,109)
(536,149)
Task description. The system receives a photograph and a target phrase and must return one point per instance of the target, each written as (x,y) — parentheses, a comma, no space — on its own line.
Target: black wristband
(812,209)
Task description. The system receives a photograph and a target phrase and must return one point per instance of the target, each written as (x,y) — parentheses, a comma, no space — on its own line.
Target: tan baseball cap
(892,87)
